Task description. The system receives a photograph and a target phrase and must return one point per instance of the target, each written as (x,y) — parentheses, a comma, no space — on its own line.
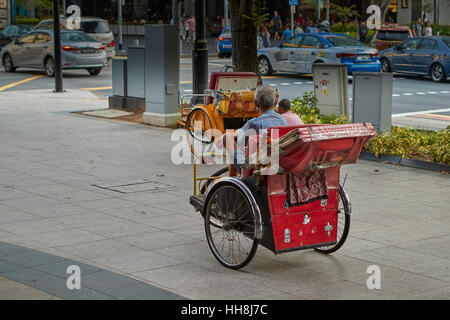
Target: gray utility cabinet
(136,72)
(119,80)
(372,99)
(162,74)
(331,88)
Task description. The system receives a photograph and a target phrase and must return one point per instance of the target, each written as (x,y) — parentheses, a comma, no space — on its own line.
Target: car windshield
(95,26)
(446,41)
(25,29)
(392,35)
(339,41)
(76,37)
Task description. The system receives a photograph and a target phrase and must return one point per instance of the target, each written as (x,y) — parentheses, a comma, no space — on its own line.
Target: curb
(413,163)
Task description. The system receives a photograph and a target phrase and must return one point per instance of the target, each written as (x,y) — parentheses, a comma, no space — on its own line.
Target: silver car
(35,50)
(97,28)
(298,54)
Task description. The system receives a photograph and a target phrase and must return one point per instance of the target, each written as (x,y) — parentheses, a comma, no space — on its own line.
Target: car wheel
(221,55)
(49,66)
(264,66)
(385,65)
(8,63)
(94,71)
(437,73)
(228,55)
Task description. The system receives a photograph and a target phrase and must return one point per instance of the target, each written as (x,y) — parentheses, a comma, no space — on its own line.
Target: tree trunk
(243,33)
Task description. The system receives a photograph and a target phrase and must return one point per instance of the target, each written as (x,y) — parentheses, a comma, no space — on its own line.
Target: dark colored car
(389,36)
(11,33)
(425,56)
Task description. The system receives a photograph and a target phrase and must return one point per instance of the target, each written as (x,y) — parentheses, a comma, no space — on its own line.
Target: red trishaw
(301,206)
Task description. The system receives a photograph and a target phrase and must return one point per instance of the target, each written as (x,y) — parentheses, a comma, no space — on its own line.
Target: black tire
(343,224)
(437,73)
(228,55)
(8,63)
(94,71)
(235,223)
(49,66)
(385,65)
(264,67)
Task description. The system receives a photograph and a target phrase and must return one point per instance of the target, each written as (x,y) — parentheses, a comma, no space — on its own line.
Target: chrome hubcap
(263,67)
(437,73)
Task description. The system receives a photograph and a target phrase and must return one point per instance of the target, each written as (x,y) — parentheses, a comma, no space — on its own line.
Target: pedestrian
(189,26)
(428,31)
(265,34)
(277,24)
(324,26)
(300,20)
(417,28)
(362,31)
(284,108)
(287,34)
(298,29)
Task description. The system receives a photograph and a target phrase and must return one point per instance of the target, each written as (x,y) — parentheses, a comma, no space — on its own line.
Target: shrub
(407,142)
(305,108)
(26,20)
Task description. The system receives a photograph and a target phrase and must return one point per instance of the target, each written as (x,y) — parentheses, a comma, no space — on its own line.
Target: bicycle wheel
(230,225)
(199,126)
(343,223)
(219,173)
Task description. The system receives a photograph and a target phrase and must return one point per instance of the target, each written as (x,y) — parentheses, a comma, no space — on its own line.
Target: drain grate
(140,186)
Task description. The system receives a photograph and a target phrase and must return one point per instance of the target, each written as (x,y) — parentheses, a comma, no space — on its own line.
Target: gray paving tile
(7,266)
(10,249)
(141,292)
(59,269)
(32,258)
(107,279)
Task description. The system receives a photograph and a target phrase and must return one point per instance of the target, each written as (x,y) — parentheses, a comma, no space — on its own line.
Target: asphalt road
(410,94)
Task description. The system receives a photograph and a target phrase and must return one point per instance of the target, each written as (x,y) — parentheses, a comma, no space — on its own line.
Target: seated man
(265,100)
(284,108)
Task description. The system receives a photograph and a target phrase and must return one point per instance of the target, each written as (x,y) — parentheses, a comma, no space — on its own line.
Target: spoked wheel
(220,173)
(438,73)
(343,223)
(8,63)
(49,66)
(230,225)
(199,125)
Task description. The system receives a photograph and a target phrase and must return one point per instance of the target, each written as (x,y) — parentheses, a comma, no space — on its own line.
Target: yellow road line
(96,88)
(21,82)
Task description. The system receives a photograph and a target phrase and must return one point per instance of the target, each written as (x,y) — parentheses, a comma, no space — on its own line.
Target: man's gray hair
(265,97)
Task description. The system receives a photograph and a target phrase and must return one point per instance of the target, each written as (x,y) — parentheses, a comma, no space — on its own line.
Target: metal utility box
(331,88)
(136,72)
(372,99)
(162,74)
(119,77)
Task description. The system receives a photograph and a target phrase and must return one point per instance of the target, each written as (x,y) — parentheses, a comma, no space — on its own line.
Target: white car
(97,28)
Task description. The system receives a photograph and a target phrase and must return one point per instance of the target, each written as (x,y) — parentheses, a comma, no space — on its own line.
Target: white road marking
(445,91)
(420,93)
(396,95)
(310,82)
(273,85)
(431,92)
(408,94)
(298,82)
(285,84)
(406,114)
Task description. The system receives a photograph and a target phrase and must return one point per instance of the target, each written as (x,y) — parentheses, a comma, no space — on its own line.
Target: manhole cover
(142,186)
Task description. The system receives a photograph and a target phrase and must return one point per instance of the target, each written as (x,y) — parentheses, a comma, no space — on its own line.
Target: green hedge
(26,20)
(410,143)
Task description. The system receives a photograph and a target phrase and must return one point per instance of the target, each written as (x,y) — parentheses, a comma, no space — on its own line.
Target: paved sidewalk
(51,160)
